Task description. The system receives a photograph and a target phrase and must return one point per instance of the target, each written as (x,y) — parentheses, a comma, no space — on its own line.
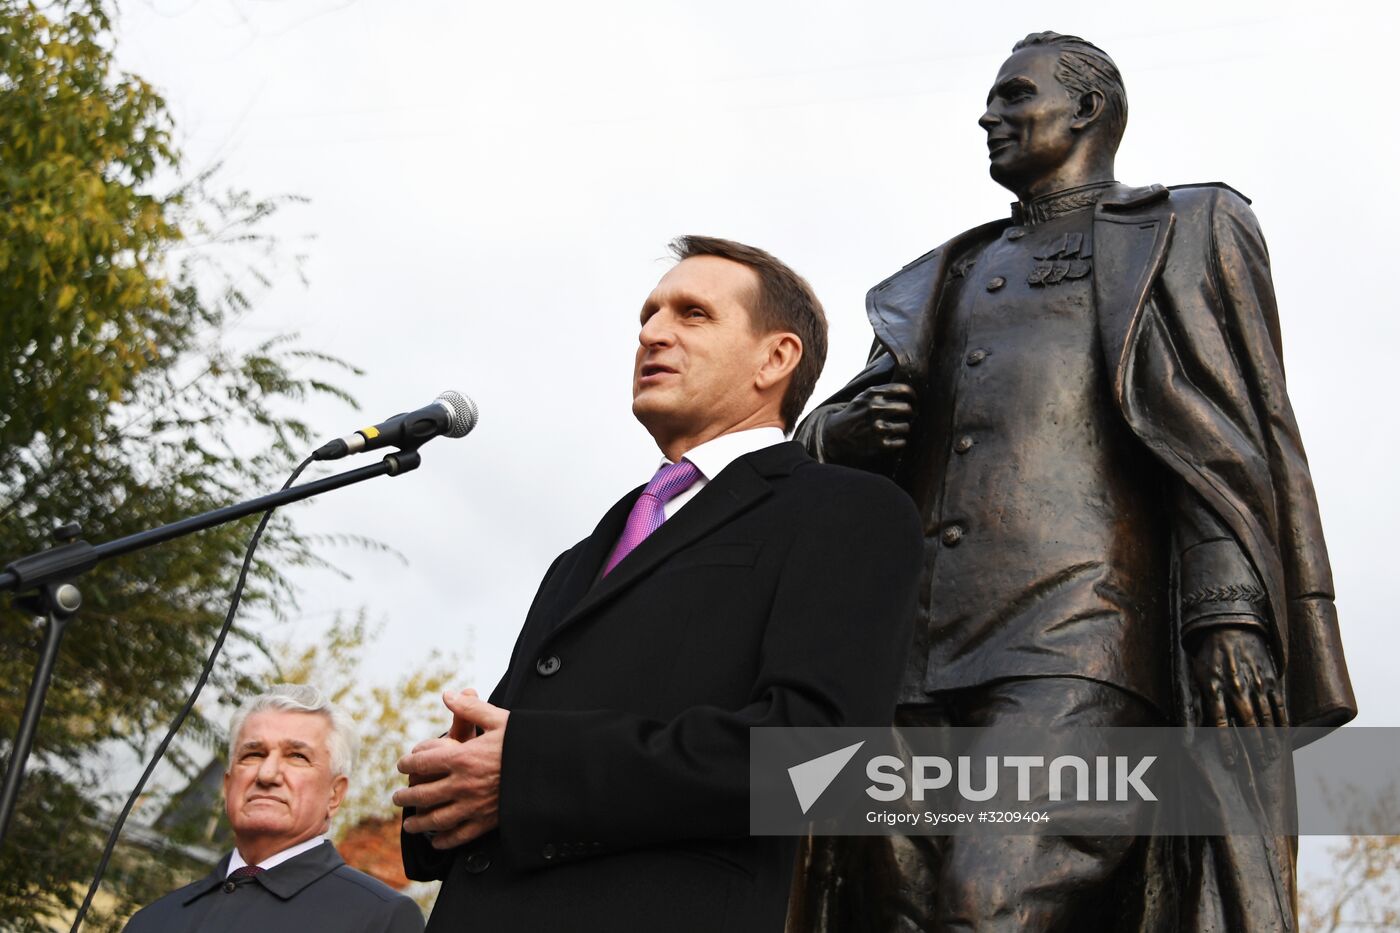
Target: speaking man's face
(698,354)
(1028,119)
(279,789)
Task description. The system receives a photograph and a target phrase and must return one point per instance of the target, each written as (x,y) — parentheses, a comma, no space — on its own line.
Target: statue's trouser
(987,882)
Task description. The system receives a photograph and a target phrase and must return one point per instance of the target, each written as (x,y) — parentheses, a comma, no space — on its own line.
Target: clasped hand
(454,781)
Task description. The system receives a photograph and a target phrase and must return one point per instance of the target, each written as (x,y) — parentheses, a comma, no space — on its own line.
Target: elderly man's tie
(246,871)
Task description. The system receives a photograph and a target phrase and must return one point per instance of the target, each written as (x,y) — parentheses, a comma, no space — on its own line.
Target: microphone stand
(44,582)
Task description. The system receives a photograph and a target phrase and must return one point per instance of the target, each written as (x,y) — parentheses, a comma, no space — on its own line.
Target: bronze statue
(1087,402)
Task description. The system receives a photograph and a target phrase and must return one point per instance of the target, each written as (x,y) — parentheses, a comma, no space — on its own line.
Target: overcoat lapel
(208,882)
(903,308)
(1132,229)
(292,876)
(592,552)
(738,488)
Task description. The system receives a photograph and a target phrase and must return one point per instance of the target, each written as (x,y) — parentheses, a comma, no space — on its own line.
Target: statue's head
(1057,107)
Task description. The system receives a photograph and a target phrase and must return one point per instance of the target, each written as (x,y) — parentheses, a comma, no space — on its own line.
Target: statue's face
(1028,120)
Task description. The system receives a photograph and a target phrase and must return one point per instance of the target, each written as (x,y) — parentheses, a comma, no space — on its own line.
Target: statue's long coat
(1189,326)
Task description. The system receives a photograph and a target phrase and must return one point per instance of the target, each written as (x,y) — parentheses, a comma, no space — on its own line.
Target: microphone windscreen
(462,411)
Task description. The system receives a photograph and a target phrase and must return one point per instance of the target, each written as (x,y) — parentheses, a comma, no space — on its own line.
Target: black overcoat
(782,594)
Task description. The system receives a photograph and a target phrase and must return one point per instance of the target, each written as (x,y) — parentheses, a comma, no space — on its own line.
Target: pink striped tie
(648,511)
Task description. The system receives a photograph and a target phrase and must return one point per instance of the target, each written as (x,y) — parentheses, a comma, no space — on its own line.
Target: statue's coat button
(952,535)
(995,282)
(976,356)
(964,444)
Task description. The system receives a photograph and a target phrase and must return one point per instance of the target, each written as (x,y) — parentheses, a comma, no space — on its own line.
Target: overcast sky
(492,187)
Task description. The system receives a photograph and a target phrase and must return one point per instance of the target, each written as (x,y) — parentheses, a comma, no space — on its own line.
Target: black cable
(185,711)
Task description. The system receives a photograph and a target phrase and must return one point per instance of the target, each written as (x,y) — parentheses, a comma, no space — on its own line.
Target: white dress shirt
(717,453)
(236,861)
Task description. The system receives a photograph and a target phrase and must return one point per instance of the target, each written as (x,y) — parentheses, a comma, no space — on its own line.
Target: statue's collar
(1053,205)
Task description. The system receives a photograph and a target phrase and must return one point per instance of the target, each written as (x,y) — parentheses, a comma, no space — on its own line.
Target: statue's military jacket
(1188,325)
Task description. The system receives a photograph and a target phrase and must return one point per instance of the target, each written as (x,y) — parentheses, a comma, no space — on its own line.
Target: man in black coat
(605,784)
(290,752)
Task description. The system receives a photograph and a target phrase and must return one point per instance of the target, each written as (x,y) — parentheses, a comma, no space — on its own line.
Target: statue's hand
(1236,681)
(874,425)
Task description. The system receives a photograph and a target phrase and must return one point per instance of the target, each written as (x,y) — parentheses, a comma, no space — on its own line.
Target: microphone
(451,413)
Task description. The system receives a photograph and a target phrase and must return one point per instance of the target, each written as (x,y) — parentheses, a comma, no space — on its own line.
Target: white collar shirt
(717,453)
(236,860)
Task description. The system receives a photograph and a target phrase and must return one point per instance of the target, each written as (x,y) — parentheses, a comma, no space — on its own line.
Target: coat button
(976,356)
(964,444)
(230,887)
(548,852)
(952,535)
(995,282)
(548,666)
(1015,233)
(477,862)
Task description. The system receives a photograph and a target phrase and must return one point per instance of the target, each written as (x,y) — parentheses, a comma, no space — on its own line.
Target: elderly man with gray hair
(290,755)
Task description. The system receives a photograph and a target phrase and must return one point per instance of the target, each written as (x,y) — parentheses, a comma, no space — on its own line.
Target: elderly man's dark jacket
(312,891)
(1189,325)
(781,595)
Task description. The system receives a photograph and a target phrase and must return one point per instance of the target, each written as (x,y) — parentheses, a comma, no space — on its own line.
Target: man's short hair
(785,303)
(1084,67)
(342,741)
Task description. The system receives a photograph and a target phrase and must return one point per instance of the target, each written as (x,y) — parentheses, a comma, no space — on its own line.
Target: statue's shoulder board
(1213,184)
